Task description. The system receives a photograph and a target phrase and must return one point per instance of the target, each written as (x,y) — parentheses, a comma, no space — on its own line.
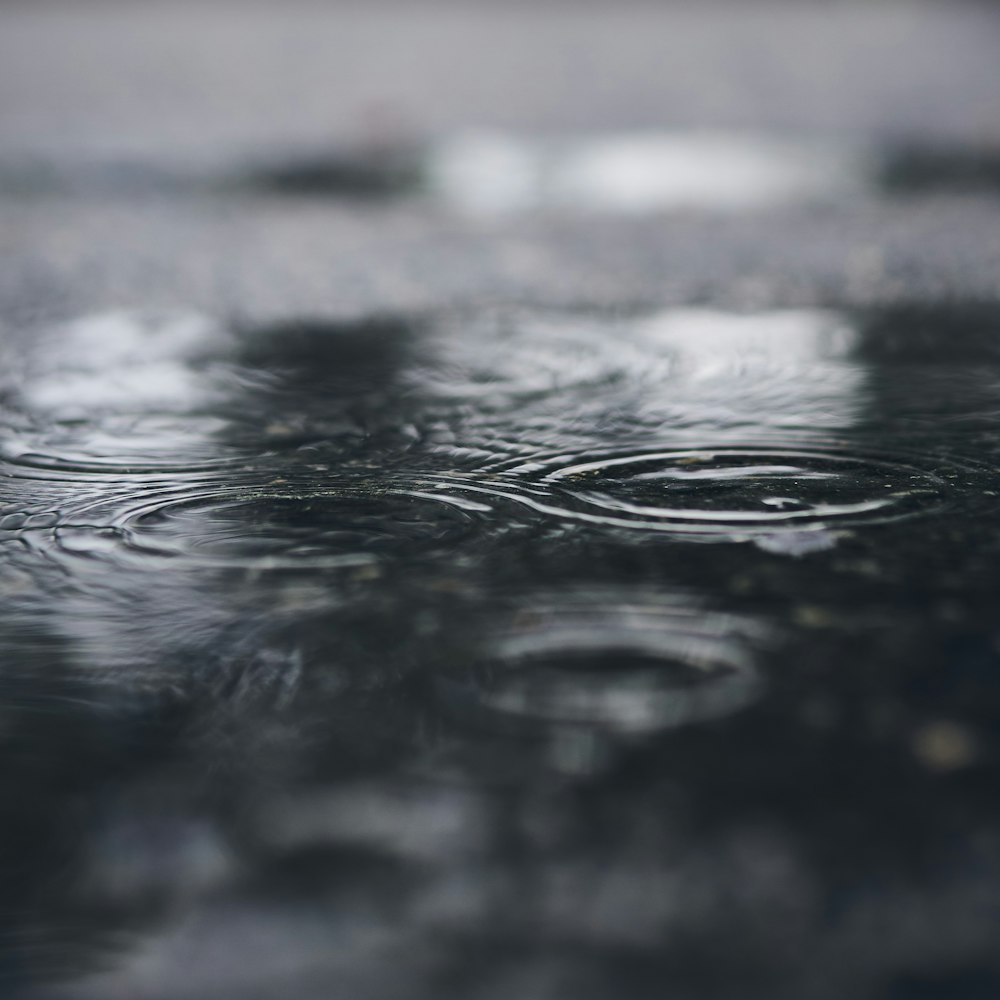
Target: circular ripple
(735,490)
(276,528)
(621,668)
(491,358)
(295,523)
(139,445)
(255,517)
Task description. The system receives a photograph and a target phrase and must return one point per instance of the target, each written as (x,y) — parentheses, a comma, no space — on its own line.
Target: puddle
(680,369)
(454,559)
(310,445)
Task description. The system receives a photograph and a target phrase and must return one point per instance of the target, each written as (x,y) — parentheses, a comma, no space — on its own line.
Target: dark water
(502,652)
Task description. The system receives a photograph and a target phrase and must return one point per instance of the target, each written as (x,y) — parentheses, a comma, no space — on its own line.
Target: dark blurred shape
(940,333)
(962,984)
(922,170)
(374,175)
(352,358)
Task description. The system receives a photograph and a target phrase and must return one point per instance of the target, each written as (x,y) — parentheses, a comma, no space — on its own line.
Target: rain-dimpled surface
(306,446)
(424,624)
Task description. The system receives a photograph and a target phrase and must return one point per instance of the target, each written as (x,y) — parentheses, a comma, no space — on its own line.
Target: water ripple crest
(722,491)
(244,520)
(624,662)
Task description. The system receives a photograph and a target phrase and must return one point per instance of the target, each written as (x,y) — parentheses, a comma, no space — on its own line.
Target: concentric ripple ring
(628,668)
(731,490)
(258,525)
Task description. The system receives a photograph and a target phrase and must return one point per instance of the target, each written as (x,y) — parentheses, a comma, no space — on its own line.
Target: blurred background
(106,105)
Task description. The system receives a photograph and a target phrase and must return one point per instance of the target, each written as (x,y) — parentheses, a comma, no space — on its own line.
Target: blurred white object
(641,172)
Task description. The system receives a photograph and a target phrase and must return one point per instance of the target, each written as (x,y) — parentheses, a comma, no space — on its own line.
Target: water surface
(536,650)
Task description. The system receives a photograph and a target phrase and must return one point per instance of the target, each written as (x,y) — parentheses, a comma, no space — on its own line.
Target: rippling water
(493,633)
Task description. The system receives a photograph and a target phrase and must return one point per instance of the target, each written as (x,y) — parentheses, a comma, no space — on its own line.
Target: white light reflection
(494,173)
(707,339)
(123,360)
(783,368)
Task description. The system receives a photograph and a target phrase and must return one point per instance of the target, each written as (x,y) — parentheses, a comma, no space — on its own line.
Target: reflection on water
(380,653)
(587,667)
